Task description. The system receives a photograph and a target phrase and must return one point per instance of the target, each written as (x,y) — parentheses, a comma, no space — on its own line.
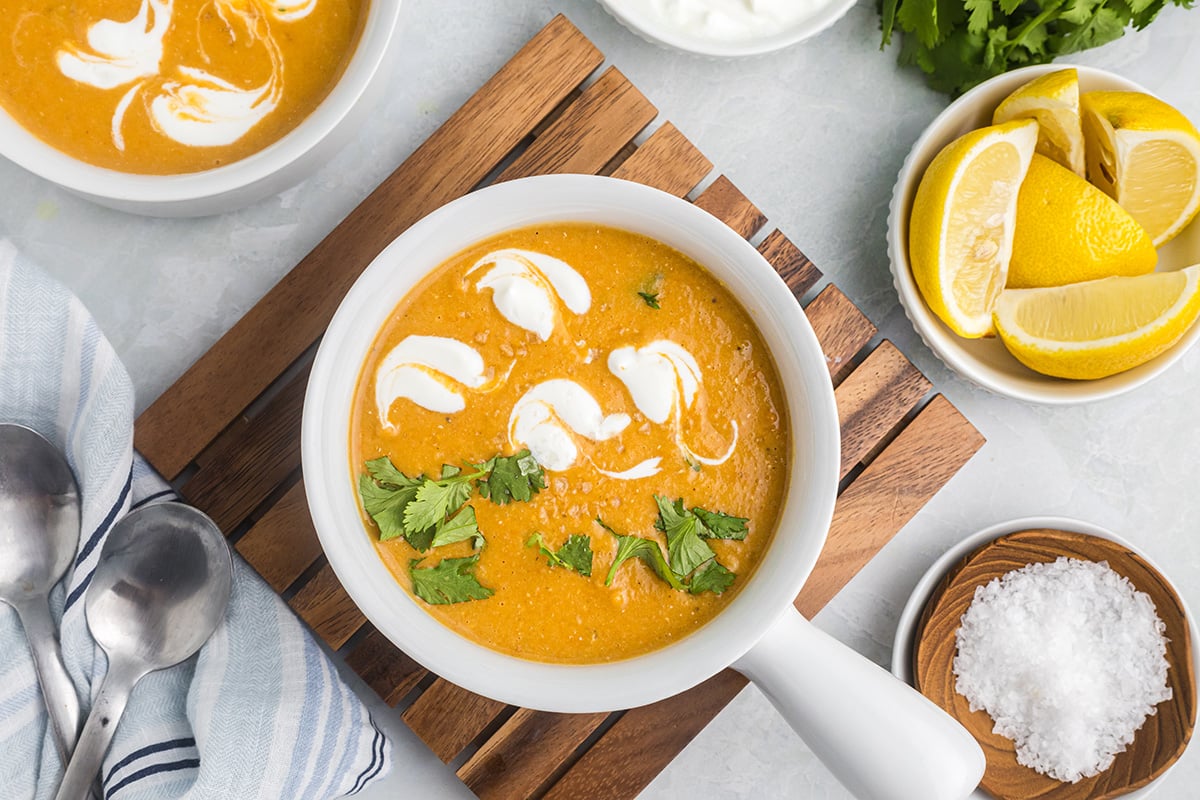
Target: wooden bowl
(1161,739)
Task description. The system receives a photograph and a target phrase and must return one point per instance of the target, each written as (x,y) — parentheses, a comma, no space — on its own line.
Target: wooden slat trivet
(228,430)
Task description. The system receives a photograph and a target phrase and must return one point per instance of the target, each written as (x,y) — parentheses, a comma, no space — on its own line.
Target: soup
(615,435)
(170,86)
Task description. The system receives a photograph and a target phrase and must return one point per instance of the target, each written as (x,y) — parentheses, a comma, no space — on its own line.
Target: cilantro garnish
(717,525)
(452,580)
(647,550)
(712,577)
(685,549)
(959,43)
(575,554)
(431,513)
(516,477)
(650,299)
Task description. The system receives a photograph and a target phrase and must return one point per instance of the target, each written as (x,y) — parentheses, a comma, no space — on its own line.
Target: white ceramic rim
(31,153)
(634,17)
(808,506)
(906,626)
(958,353)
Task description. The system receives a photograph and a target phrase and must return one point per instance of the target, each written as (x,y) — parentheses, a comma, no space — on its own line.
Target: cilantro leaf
(575,554)
(650,299)
(712,577)
(434,501)
(452,580)
(385,505)
(516,477)
(719,525)
(648,551)
(385,473)
(685,549)
(459,528)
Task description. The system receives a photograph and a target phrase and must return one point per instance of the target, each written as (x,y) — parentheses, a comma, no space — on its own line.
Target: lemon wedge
(1069,231)
(961,229)
(1053,100)
(1145,155)
(1098,328)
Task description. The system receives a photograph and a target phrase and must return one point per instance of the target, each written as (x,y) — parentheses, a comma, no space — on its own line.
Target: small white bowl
(640,18)
(986,361)
(269,171)
(906,628)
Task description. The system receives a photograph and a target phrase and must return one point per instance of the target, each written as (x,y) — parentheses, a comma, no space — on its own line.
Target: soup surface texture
(631,374)
(170,86)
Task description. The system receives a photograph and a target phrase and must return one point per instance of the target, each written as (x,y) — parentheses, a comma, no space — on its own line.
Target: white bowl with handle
(881,738)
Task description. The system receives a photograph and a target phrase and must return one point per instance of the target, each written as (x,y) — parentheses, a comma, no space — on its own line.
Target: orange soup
(613,434)
(170,86)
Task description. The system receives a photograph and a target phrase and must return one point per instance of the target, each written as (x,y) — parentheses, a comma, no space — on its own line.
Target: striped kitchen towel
(260,711)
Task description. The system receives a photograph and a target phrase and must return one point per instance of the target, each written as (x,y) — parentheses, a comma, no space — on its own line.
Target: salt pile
(1068,659)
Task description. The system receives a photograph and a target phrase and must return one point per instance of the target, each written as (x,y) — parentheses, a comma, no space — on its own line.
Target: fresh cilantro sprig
(690,563)
(575,554)
(959,43)
(429,512)
(451,580)
(650,299)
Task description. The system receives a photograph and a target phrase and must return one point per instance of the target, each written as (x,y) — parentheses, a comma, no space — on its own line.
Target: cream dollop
(206,111)
(119,52)
(730,20)
(663,379)
(526,287)
(425,369)
(549,417)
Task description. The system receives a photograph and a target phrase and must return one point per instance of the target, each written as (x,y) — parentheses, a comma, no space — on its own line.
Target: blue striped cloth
(260,711)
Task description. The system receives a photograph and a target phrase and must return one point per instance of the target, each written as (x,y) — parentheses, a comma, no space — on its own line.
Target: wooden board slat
(873,400)
(240,471)
(727,203)
(525,753)
(290,317)
(841,329)
(643,741)
(327,609)
(590,132)
(666,161)
(448,718)
(881,501)
(283,544)
(793,266)
(386,669)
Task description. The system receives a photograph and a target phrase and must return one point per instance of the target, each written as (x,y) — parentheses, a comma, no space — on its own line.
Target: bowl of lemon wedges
(1043,235)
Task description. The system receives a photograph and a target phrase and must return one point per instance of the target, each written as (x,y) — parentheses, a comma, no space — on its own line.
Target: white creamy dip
(425,370)
(527,288)
(663,379)
(727,20)
(549,416)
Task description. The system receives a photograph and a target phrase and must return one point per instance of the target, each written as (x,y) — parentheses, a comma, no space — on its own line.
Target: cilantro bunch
(959,43)
(433,512)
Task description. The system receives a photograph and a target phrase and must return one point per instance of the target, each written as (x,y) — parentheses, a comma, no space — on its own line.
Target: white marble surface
(815,135)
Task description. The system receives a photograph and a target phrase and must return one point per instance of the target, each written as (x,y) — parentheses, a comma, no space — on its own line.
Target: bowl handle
(878,736)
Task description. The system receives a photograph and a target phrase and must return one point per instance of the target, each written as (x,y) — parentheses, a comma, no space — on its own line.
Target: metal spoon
(159,590)
(39,533)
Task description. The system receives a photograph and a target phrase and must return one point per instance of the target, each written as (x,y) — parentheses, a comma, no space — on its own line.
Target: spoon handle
(58,691)
(98,731)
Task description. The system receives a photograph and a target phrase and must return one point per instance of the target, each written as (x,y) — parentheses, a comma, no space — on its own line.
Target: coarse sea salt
(1068,659)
